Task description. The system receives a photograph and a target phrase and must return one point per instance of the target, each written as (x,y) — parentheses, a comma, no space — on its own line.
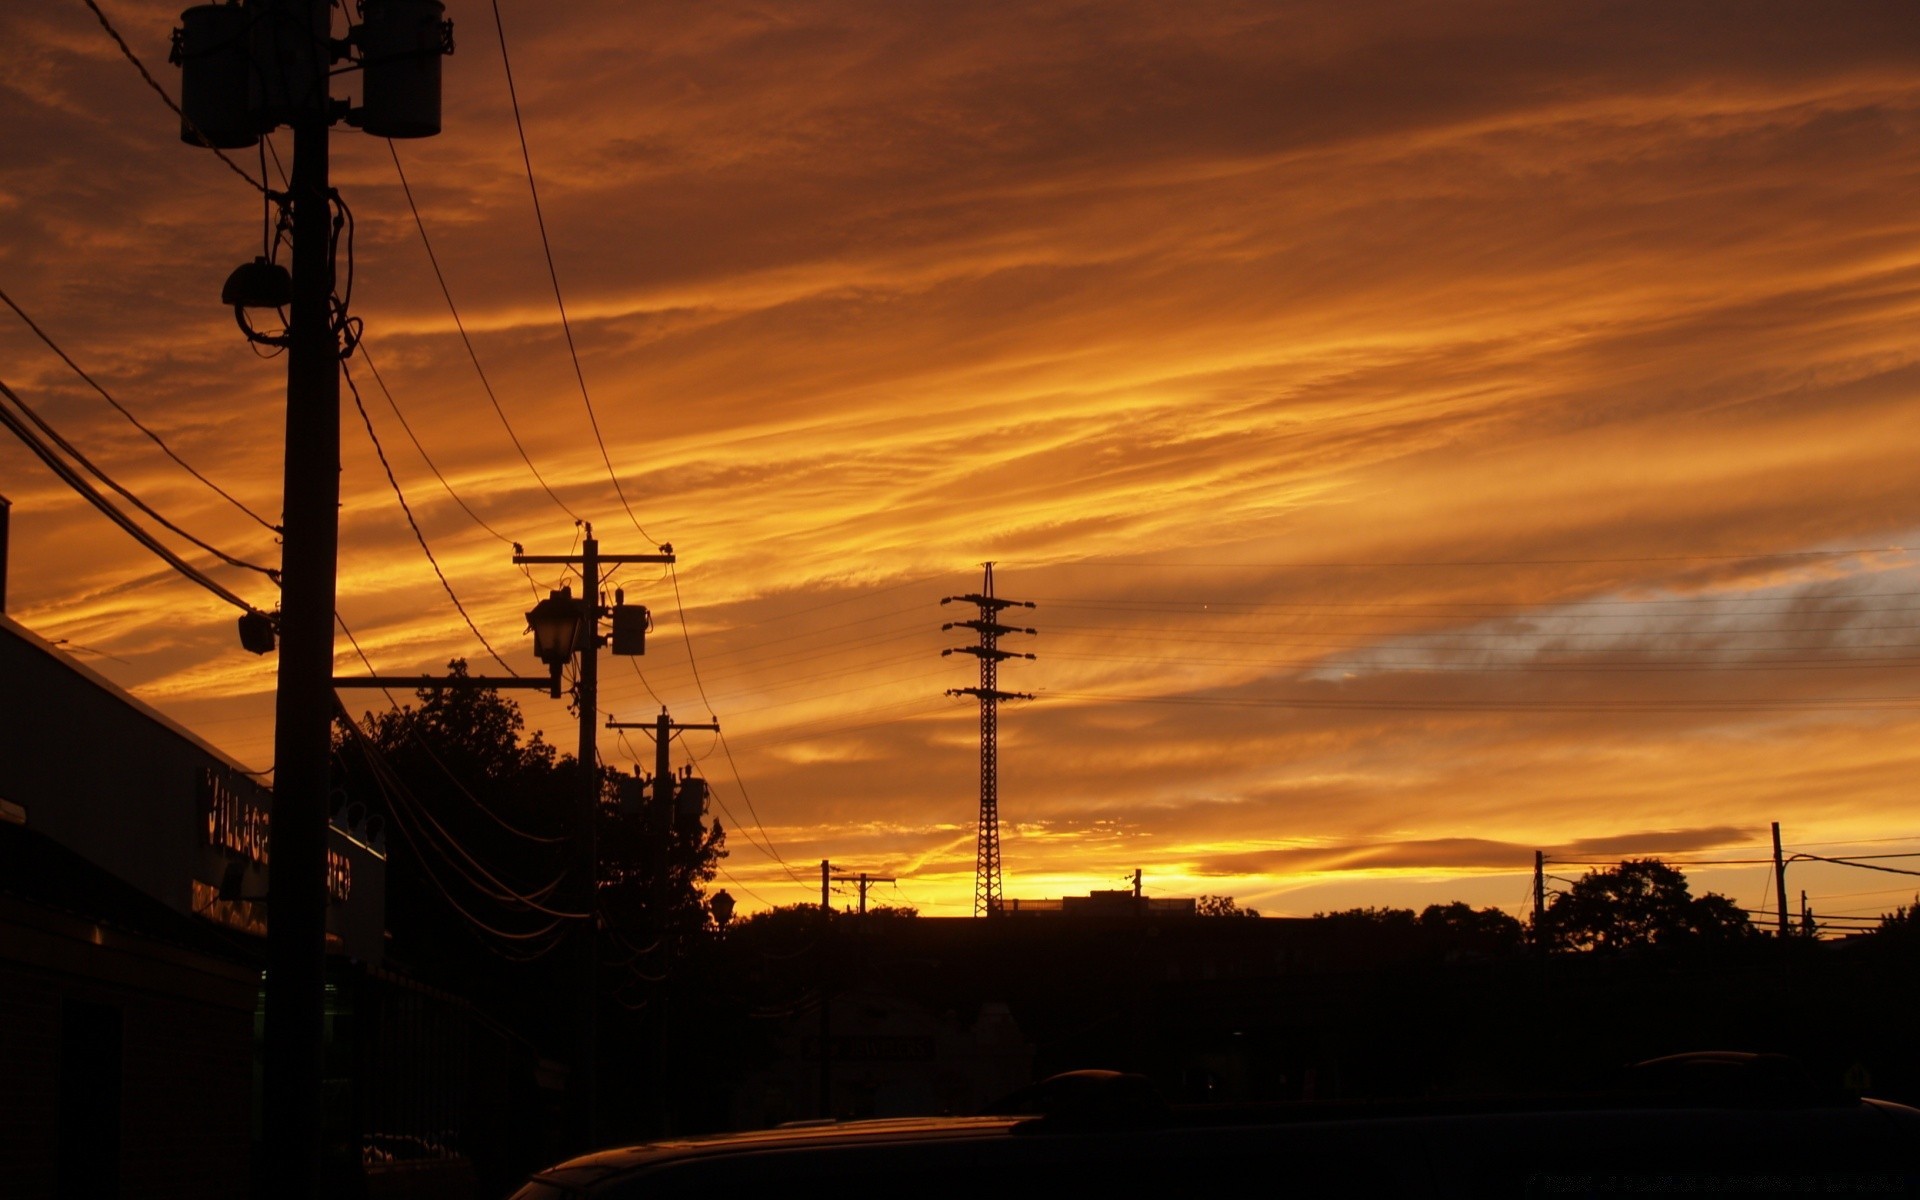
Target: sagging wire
(73,479)
(413,524)
(406,808)
(123,411)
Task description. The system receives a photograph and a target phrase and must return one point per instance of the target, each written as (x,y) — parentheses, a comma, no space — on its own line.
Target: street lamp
(721,905)
(555,624)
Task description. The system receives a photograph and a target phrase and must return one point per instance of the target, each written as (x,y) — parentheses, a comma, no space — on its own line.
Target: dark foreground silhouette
(1718,1123)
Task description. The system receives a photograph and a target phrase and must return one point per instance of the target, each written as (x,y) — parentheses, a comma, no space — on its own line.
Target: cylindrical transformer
(401,44)
(211,49)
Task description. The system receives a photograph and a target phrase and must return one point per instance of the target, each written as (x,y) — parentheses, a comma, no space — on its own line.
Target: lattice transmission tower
(987,897)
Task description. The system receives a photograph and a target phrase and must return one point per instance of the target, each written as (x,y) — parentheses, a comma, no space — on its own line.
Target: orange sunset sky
(1429,432)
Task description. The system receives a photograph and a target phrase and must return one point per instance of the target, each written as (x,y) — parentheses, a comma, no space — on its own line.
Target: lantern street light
(556,627)
(721,905)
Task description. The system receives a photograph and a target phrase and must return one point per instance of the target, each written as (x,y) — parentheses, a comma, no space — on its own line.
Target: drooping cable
(680,606)
(445,770)
(161,92)
(347,374)
(93,469)
(78,483)
(402,803)
(424,456)
(123,411)
(553,274)
(473,355)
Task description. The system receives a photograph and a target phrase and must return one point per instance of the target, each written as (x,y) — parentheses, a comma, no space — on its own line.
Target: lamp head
(258,284)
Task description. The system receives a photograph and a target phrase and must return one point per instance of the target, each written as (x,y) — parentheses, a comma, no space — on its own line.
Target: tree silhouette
(481,820)
(1222,906)
(1470,932)
(1641,902)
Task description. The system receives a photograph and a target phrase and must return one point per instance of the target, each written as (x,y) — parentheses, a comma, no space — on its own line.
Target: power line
(74,453)
(364,742)
(106,507)
(1864,866)
(186,122)
(1761,556)
(553,274)
(1882,663)
(485,384)
(1754,704)
(680,609)
(424,456)
(122,409)
(412,524)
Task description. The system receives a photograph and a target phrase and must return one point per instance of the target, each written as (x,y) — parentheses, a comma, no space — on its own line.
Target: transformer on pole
(987,895)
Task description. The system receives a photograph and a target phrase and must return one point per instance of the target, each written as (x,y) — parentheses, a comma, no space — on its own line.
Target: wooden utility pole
(863,879)
(587,848)
(1539,896)
(1780,879)
(295,1000)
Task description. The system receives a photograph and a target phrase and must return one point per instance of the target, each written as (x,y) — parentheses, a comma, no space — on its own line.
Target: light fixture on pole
(555,624)
(258,284)
(721,905)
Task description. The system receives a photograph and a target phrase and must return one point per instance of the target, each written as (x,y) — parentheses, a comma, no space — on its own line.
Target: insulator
(401,44)
(211,49)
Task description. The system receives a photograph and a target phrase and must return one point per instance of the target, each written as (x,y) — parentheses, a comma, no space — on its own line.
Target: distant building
(1103,904)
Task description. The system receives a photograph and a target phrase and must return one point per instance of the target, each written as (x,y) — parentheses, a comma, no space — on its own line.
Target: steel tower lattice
(987,896)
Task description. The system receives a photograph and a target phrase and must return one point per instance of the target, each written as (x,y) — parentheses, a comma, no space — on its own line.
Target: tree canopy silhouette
(482,820)
(1222,906)
(1641,902)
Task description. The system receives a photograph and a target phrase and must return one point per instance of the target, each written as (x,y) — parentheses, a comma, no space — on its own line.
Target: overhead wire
(347,374)
(553,273)
(486,385)
(97,472)
(427,868)
(402,802)
(680,608)
(79,484)
(1442,563)
(125,412)
(413,437)
(1751,704)
(186,122)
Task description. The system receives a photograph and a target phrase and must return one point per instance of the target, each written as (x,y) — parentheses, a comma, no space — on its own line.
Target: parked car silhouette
(1719,1123)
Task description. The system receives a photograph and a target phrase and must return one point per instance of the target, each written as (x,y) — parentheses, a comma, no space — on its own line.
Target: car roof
(602,1164)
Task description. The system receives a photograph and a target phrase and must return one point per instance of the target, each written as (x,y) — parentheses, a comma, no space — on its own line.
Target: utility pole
(661,729)
(1136,883)
(665,804)
(826,879)
(863,879)
(1780,879)
(247,69)
(987,896)
(587,640)
(295,1001)
(1539,897)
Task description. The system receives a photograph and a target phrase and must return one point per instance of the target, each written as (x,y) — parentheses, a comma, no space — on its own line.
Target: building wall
(102,774)
(163,1107)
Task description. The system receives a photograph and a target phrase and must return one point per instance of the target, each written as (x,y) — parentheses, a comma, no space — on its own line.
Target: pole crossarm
(651,727)
(991,694)
(988,602)
(993,627)
(415,682)
(575,559)
(984,652)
